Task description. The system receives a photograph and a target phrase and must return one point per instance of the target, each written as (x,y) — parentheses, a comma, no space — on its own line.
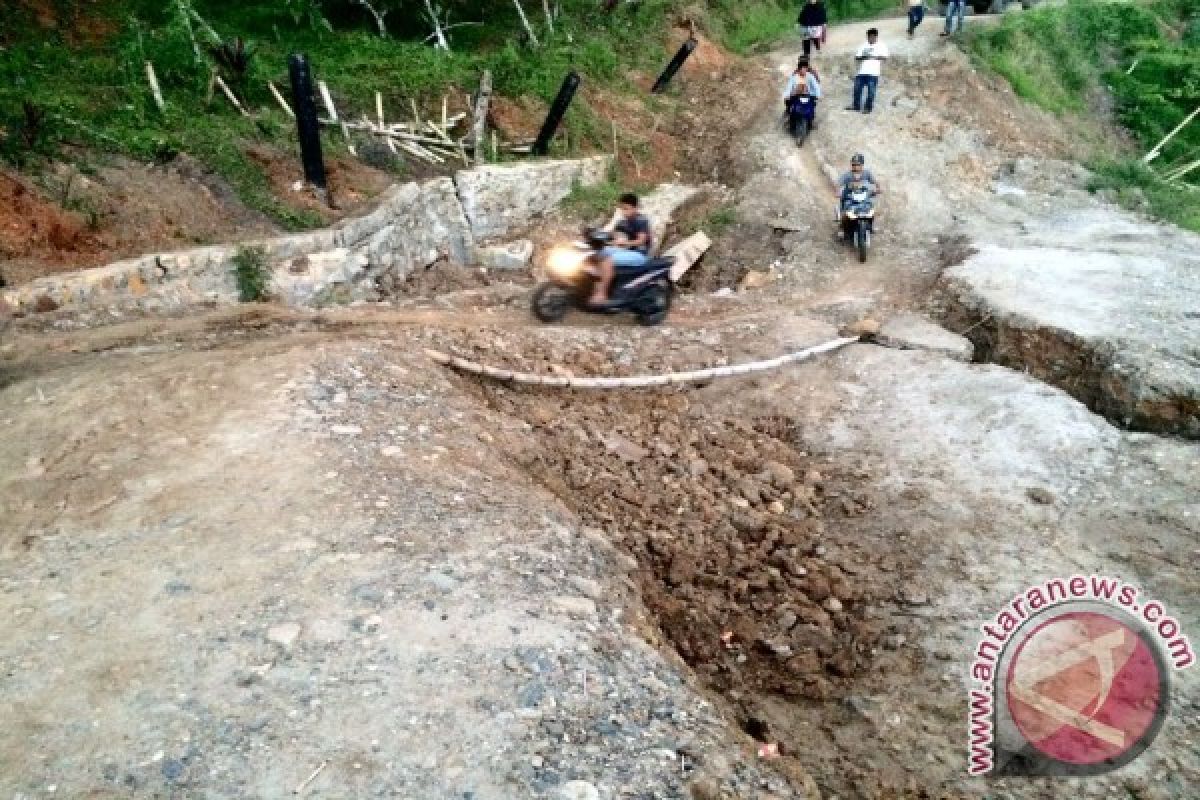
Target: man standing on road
(916,13)
(955,10)
(812,24)
(870,58)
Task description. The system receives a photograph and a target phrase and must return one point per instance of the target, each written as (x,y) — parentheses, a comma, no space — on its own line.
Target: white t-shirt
(871,65)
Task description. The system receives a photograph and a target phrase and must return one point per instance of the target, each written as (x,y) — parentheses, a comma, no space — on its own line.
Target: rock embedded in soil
(908,331)
(575,607)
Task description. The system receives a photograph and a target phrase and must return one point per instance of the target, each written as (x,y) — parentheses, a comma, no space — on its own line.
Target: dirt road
(260,553)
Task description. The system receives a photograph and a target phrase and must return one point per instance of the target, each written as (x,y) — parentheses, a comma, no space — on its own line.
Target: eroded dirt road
(251,548)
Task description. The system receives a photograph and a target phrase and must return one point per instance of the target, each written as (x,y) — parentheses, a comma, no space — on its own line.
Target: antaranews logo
(1072,678)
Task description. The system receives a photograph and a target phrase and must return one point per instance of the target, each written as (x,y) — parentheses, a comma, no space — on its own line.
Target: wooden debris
(230,95)
(279,99)
(155,91)
(479,121)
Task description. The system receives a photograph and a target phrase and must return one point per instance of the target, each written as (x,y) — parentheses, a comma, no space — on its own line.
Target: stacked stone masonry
(413,226)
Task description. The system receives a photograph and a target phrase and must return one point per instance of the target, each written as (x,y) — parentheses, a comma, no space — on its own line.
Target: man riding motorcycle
(630,249)
(858,174)
(801,83)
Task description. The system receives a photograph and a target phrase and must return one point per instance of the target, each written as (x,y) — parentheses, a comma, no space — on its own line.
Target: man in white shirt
(870,58)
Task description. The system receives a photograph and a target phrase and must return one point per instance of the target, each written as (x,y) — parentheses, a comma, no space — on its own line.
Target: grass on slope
(1071,58)
(80,80)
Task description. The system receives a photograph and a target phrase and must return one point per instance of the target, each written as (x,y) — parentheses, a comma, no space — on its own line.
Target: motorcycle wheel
(862,240)
(551,302)
(801,132)
(652,307)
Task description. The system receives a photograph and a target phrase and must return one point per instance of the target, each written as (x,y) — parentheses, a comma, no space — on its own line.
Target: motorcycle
(802,108)
(857,217)
(571,277)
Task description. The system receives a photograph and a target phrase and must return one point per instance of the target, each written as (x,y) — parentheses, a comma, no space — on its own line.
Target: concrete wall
(412,226)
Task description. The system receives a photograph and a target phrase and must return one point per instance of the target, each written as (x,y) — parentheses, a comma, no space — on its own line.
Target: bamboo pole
(230,95)
(279,99)
(637,381)
(155,91)
(1156,151)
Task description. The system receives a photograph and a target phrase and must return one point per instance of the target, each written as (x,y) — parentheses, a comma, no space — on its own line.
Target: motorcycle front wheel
(862,240)
(551,302)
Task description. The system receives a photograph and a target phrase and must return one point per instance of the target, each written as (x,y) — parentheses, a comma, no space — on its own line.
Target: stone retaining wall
(413,226)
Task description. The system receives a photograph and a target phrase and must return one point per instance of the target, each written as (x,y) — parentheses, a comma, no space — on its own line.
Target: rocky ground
(256,553)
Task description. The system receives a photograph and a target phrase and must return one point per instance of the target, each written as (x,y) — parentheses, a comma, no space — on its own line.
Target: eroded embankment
(734,524)
(1098,303)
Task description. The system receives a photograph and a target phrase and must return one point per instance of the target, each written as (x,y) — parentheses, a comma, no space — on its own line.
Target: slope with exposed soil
(255,547)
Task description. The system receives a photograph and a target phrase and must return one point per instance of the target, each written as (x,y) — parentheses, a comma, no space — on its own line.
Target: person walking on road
(813,19)
(870,58)
(955,10)
(916,13)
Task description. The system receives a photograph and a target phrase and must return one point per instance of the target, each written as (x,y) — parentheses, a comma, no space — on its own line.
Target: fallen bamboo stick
(1157,149)
(279,99)
(327,99)
(379,113)
(155,91)
(637,381)
(230,95)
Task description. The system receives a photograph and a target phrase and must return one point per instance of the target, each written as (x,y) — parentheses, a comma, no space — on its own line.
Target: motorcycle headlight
(565,262)
(850,213)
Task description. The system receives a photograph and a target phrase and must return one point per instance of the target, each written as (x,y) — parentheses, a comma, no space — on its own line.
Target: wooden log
(687,253)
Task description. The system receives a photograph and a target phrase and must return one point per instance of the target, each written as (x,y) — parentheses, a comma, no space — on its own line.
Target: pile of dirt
(735,531)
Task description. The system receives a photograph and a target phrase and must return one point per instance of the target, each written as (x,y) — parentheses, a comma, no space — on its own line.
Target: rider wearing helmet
(858,172)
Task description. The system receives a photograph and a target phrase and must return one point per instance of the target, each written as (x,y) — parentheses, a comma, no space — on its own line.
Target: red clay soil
(31,226)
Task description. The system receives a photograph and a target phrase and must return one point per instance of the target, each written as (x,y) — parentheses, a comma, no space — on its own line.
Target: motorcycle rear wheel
(652,306)
(551,302)
(801,132)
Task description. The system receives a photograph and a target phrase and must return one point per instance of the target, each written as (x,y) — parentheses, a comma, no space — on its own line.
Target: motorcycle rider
(630,249)
(803,81)
(858,174)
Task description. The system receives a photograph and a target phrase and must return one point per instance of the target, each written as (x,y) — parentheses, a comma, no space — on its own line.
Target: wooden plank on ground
(687,253)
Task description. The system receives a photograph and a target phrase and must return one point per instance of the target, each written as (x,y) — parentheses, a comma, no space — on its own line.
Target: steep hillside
(1136,62)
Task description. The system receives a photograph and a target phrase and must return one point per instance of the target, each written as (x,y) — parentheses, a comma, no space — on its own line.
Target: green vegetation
(1070,59)
(251,273)
(72,74)
(720,220)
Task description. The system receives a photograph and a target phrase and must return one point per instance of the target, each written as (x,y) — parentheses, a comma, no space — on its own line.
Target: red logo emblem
(1085,689)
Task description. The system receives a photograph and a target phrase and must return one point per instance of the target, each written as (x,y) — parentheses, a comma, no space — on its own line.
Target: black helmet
(857,160)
